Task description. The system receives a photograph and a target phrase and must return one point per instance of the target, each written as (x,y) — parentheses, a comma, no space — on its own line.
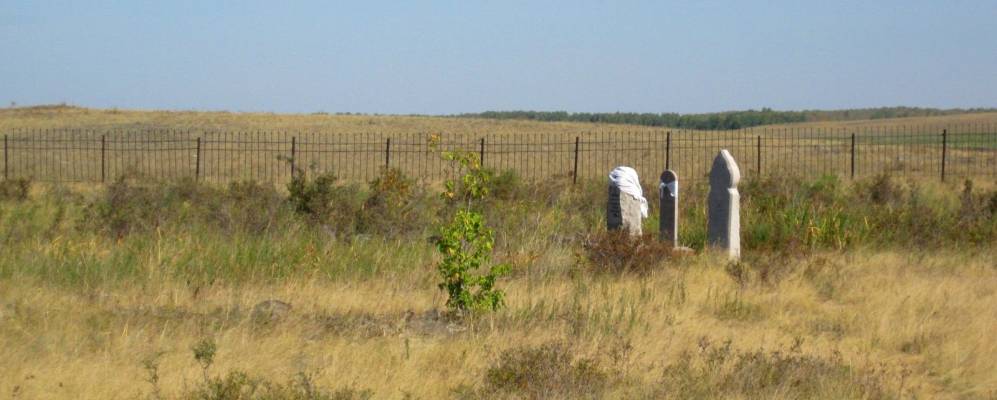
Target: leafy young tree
(466,242)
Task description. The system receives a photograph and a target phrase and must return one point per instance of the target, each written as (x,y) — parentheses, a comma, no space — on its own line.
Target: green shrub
(325,202)
(466,243)
(788,214)
(506,185)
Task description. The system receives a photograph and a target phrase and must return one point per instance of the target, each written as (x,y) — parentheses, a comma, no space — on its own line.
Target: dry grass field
(874,288)
(878,289)
(910,325)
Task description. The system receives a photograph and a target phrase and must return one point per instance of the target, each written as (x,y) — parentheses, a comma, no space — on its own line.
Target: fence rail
(96,156)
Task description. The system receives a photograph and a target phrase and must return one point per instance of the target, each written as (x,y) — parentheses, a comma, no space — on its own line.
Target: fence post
(481,153)
(945,136)
(758,154)
(387,153)
(197,161)
(294,145)
(574,176)
(668,150)
(103,151)
(853,155)
(4,157)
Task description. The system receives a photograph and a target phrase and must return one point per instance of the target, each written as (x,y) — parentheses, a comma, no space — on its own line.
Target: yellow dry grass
(925,321)
(58,117)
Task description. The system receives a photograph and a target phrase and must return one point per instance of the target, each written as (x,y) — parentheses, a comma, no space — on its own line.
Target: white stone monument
(626,206)
(724,206)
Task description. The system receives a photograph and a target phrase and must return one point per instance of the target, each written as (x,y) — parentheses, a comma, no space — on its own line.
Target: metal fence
(98,156)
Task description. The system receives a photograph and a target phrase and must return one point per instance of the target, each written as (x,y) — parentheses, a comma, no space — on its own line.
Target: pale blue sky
(463,56)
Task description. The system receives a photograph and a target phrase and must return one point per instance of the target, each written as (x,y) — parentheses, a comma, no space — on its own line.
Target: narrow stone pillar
(724,206)
(668,192)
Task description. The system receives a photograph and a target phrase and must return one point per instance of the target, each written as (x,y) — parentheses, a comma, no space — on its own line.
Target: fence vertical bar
(387,153)
(758,154)
(945,135)
(294,145)
(668,150)
(197,161)
(574,178)
(481,153)
(5,177)
(103,151)
(853,155)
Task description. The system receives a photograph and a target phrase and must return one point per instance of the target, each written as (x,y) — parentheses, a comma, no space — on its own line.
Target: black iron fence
(97,156)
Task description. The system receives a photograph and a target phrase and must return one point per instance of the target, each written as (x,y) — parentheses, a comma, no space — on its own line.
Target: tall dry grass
(917,325)
(843,292)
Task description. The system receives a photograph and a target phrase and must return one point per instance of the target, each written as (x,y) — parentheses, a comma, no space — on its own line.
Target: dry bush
(719,371)
(126,207)
(506,185)
(618,252)
(544,372)
(396,205)
(248,206)
(884,190)
(15,189)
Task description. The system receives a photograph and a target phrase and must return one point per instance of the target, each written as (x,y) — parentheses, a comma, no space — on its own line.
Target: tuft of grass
(543,372)
(238,385)
(719,371)
(732,306)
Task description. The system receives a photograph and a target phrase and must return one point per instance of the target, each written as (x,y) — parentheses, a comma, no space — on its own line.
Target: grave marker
(668,192)
(723,206)
(626,205)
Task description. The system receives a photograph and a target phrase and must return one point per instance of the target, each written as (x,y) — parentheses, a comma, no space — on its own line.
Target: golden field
(60,117)
(923,322)
(872,290)
(876,287)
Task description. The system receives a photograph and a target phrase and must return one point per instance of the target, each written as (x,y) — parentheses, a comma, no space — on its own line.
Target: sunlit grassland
(880,288)
(105,119)
(919,323)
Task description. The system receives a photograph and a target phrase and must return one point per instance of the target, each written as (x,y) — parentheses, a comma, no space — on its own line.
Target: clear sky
(447,57)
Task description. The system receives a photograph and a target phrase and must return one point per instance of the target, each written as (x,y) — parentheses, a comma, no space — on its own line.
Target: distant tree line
(724,120)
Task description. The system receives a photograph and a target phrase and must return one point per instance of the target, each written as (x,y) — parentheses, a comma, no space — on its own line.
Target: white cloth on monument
(625,178)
